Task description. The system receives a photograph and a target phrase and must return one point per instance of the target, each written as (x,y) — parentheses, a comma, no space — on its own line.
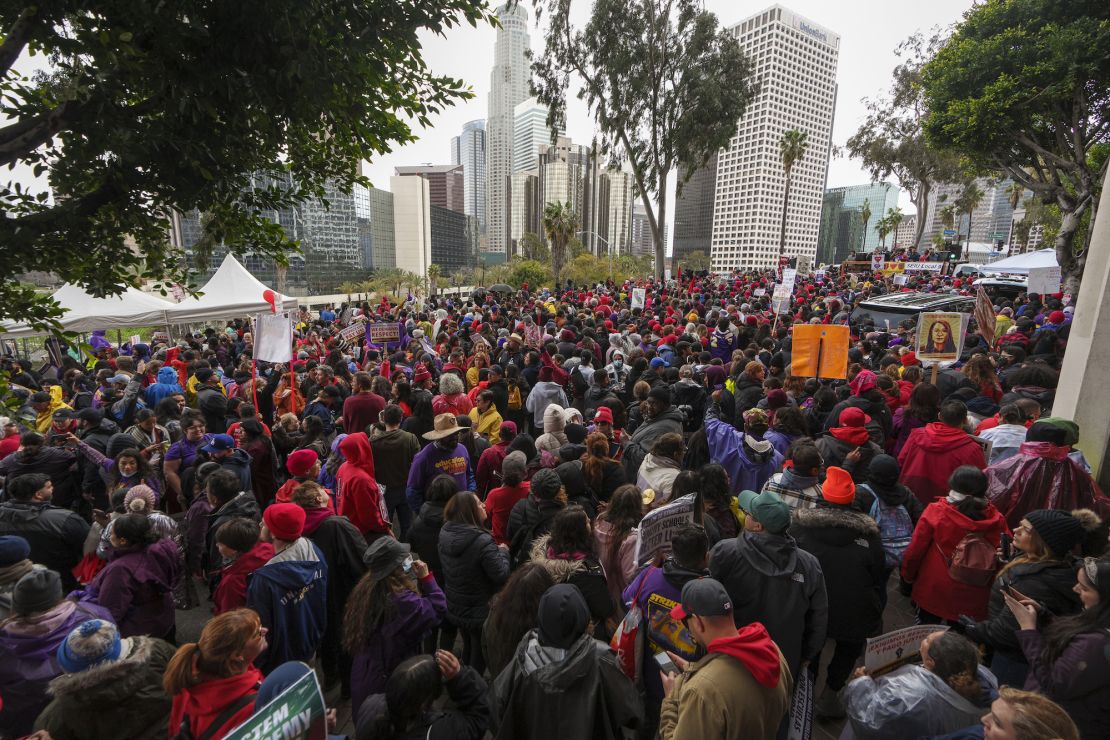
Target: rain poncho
(1042,476)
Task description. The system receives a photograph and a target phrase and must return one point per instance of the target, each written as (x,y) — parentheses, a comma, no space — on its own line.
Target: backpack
(514,398)
(973,561)
(895,530)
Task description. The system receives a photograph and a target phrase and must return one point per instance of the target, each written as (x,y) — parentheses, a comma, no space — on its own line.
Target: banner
(940,336)
(876,261)
(1044,280)
(887,652)
(925,266)
(801,708)
(820,351)
(273,337)
(298,713)
(658,527)
(638,296)
(384,331)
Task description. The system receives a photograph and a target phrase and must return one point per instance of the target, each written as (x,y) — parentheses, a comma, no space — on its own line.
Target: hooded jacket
(123,698)
(232,591)
(931,454)
(399,447)
(771,580)
(578,569)
(57,536)
(474,569)
(836,446)
(239,462)
(553,436)
(644,438)
(136,586)
(847,545)
(547,693)
(529,520)
(360,497)
(29,646)
(741,689)
(290,597)
(468,720)
(1079,680)
(658,474)
(342,546)
(201,705)
(166,386)
(1042,476)
(212,402)
(924,563)
(747,469)
(243,505)
(424,534)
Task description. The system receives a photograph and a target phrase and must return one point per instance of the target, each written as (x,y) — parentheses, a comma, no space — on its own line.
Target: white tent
(232,292)
(1020,264)
(85,312)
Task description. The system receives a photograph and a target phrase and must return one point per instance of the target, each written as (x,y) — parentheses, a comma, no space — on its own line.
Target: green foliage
(536,274)
(891,141)
(666,90)
(560,222)
(696,260)
(894,218)
(793,147)
(1023,86)
(533,247)
(151,107)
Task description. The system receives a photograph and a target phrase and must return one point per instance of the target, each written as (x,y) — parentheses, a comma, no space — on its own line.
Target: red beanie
(838,487)
(300,462)
(285,521)
(910,358)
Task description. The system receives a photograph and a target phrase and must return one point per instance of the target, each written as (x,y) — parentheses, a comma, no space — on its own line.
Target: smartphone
(1007,543)
(406,564)
(665,663)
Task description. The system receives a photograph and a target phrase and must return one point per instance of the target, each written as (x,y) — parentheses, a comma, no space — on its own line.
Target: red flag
(984,316)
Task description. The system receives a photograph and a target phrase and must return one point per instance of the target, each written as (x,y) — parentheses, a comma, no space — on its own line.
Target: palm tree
(434,271)
(865,214)
(968,201)
(894,217)
(793,145)
(883,227)
(559,224)
(948,216)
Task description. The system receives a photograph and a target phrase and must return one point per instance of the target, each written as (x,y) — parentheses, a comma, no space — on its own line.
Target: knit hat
(883,470)
(777,398)
(1056,317)
(13,549)
(908,359)
(300,462)
(660,394)
(91,643)
(421,374)
(140,499)
(838,488)
(546,484)
(562,616)
(1060,530)
(508,430)
(603,414)
(38,591)
(285,521)
(576,433)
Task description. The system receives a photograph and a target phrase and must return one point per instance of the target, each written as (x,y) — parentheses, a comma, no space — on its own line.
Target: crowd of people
(447,528)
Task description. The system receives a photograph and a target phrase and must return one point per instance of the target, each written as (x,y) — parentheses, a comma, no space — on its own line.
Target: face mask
(618,364)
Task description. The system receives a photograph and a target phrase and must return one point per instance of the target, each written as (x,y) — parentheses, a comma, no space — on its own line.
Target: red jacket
(930,455)
(499,503)
(938,531)
(232,591)
(360,496)
(206,701)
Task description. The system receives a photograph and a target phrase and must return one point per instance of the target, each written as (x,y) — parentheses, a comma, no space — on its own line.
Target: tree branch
(1051,159)
(17,38)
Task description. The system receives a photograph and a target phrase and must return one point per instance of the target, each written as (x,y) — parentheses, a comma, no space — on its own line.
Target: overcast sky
(869,31)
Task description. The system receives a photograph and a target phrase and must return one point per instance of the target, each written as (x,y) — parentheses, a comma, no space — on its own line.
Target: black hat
(576,433)
(36,592)
(660,394)
(562,617)
(546,484)
(1060,530)
(13,549)
(64,414)
(384,556)
(704,597)
(883,470)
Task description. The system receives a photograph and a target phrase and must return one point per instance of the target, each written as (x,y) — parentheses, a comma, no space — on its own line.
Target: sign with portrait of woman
(940,336)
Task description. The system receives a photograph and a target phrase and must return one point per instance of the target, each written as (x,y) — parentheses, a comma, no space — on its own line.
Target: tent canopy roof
(231,292)
(85,312)
(1020,264)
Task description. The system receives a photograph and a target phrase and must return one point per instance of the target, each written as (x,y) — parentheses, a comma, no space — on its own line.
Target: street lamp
(607,249)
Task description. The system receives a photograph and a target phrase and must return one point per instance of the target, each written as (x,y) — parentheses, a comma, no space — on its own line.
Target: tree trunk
(967,251)
(1071,268)
(782,228)
(863,242)
(659,231)
(921,203)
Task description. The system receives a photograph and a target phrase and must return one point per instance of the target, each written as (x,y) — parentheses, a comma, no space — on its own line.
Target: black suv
(888,311)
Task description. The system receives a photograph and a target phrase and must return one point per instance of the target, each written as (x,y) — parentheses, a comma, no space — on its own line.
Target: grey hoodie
(543,394)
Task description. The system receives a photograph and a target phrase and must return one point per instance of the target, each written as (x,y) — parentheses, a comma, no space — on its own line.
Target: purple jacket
(397,640)
(136,586)
(1079,680)
(28,647)
(726,448)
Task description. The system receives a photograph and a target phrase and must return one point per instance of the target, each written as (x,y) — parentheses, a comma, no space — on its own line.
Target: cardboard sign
(135,339)
(801,709)
(900,279)
(353,333)
(638,297)
(887,652)
(820,351)
(940,336)
(657,528)
(298,713)
(876,262)
(386,331)
(789,275)
(1045,280)
(759,292)
(273,337)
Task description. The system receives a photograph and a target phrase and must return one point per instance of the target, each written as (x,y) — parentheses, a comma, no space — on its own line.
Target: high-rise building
(526,207)
(445,183)
(643,243)
(412,226)
(469,150)
(842,226)
(383,244)
(530,131)
(621,191)
(907,229)
(568,174)
(510,84)
(452,239)
(795,63)
(693,212)
(990,221)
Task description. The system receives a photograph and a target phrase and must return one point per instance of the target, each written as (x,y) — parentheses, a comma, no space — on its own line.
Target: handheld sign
(940,336)
(820,351)
(298,713)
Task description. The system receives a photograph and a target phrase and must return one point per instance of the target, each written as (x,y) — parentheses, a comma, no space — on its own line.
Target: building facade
(383,244)
(643,243)
(795,63)
(452,239)
(510,83)
(990,221)
(620,190)
(842,230)
(904,234)
(693,211)
(412,228)
(530,131)
(526,207)
(568,174)
(469,150)
(445,183)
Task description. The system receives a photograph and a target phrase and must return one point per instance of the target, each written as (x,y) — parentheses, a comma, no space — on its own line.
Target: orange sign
(820,351)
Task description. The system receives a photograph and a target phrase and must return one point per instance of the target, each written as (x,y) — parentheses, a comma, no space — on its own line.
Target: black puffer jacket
(1048,582)
(424,538)
(881,425)
(56,536)
(244,505)
(747,395)
(530,518)
(585,573)
(847,545)
(475,569)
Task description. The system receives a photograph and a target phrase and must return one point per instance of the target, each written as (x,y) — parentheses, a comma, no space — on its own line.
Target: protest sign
(384,331)
(820,351)
(298,713)
(759,292)
(657,528)
(781,297)
(925,266)
(940,336)
(1044,280)
(273,337)
(136,339)
(638,297)
(900,279)
(353,333)
(801,708)
(789,275)
(876,261)
(887,652)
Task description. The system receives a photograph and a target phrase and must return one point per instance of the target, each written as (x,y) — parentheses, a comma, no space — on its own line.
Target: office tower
(903,235)
(525,209)
(411,223)
(530,131)
(990,221)
(510,84)
(383,243)
(842,227)
(643,244)
(693,212)
(620,189)
(568,174)
(795,63)
(469,150)
(445,183)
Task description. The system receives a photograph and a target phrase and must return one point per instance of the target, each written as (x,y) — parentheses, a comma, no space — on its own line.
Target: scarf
(12,573)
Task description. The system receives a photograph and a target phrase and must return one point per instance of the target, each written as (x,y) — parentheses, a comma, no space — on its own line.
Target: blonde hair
(1039,553)
(1037,716)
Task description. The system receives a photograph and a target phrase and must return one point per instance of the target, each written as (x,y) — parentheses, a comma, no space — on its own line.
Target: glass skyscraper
(842,227)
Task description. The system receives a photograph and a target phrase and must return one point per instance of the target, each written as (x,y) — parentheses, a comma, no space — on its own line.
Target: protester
(616,537)
(243,550)
(56,536)
(512,613)
(798,483)
(933,452)
(393,443)
(569,552)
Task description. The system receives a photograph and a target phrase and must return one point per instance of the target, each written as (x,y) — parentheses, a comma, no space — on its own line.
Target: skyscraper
(510,84)
(530,132)
(469,150)
(842,227)
(990,221)
(795,62)
(445,183)
(693,213)
(621,191)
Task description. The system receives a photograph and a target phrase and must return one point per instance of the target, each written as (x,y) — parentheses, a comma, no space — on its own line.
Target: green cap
(767,509)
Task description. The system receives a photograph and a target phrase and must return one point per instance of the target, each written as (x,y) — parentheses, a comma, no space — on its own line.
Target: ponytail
(216,654)
(181,671)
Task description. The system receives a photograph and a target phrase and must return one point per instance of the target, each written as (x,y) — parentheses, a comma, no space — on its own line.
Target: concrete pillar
(1083,394)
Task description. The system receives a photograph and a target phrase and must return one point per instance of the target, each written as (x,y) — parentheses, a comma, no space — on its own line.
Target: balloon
(270,297)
